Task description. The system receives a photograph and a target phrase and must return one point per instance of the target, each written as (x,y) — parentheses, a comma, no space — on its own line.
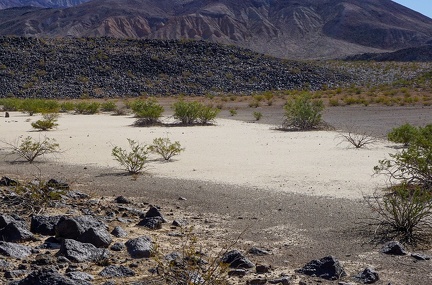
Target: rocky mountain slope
(4,4)
(283,28)
(417,54)
(106,67)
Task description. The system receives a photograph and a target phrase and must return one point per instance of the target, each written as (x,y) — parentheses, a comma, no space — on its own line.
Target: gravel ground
(296,228)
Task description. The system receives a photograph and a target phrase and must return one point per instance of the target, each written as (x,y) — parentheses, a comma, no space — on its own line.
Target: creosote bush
(194,112)
(407,209)
(147,111)
(166,148)
(302,113)
(87,108)
(133,161)
(257,115)
(30,149)
(403,134)
(48,122)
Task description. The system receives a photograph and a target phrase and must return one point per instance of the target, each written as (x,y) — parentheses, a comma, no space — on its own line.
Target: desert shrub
(30,149)
(233,112)
(36,195)
(358,140)
(87,108)
(48,122)
(67,107)
(187,112)
(257,115)
(166,148)
(190,113)
(108,106)
(404,213)
(11,104)
(133,161)
(412,165)
(302,113)
(190,265)
(33,106)
(207,114)
(147,111)
(403,134)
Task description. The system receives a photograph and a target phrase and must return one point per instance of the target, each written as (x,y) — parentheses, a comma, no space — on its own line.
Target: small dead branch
(358,140)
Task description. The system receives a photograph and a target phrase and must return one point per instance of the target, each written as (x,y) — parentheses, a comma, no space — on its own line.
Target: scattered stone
(327,268)
(98,237)
(4,264)
(262,268)
(368,276)
(393,248)
(14,232)
(122,200)
(154,212)
(12,274)
(236,260)
(79,276)
(44,225)
(283,281)
(46,276)
(7,115)
(257,281)
(420,256)
(44,259)
(140,247)
(116,271)
(117,246)
(50,243)
(237,272)
(258,251)
(119,232)
(81,252)
(76,194)
(73,227)
(6,181)
(179,223)
(153,223)
(14,250)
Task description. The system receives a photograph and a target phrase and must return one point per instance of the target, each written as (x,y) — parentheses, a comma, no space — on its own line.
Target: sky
(422,6)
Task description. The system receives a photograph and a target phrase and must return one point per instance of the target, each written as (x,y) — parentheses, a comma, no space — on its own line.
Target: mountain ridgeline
(108,67)
(294,29)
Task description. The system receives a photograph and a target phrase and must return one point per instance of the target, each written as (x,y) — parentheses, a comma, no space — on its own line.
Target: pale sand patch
(231,152)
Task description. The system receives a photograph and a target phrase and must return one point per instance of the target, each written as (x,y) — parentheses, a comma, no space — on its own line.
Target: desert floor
(298,194)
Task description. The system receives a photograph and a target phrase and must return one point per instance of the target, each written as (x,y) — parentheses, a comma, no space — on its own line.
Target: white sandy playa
(232,152)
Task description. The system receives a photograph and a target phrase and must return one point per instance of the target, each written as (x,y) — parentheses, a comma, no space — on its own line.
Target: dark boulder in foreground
(394,248)
(368,276)
(14,250)
(44,277)
(327,268)
(81,252)
(236,259)
(141,247)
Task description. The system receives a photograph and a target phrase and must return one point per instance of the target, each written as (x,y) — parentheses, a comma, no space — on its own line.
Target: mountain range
(295,29)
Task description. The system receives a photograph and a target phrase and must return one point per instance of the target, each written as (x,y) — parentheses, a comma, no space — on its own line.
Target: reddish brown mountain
(284,28)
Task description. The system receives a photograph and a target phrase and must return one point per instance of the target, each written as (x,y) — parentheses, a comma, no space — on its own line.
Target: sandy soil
(297,194)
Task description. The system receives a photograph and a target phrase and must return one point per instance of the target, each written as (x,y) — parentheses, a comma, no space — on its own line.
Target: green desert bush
(403,134)
(108,106)
(48,122)
(404,213)
(10,104)
(33,106)
(147,111)
(233,112)
(133,161)
(189,113)
(30,149)
(67,107)
(302,113)
(257,115)
(166,148)
(87,108)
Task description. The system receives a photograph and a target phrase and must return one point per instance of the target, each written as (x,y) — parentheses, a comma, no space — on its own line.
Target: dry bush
(358,140)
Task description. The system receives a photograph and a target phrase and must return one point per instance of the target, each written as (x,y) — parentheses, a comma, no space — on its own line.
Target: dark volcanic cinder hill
(283,28)
(106,67)
(419,54)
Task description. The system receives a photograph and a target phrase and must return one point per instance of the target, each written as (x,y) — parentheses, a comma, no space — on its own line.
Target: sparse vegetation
(358,140)
(30,149)
(133,161)
(194,112)
(147,111)
(166,148)
(302,113)
(108,106)
(48,122)
(257,116)
(87,108)
(403,134)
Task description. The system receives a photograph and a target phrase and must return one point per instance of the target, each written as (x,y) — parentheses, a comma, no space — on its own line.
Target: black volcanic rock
(289,29)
